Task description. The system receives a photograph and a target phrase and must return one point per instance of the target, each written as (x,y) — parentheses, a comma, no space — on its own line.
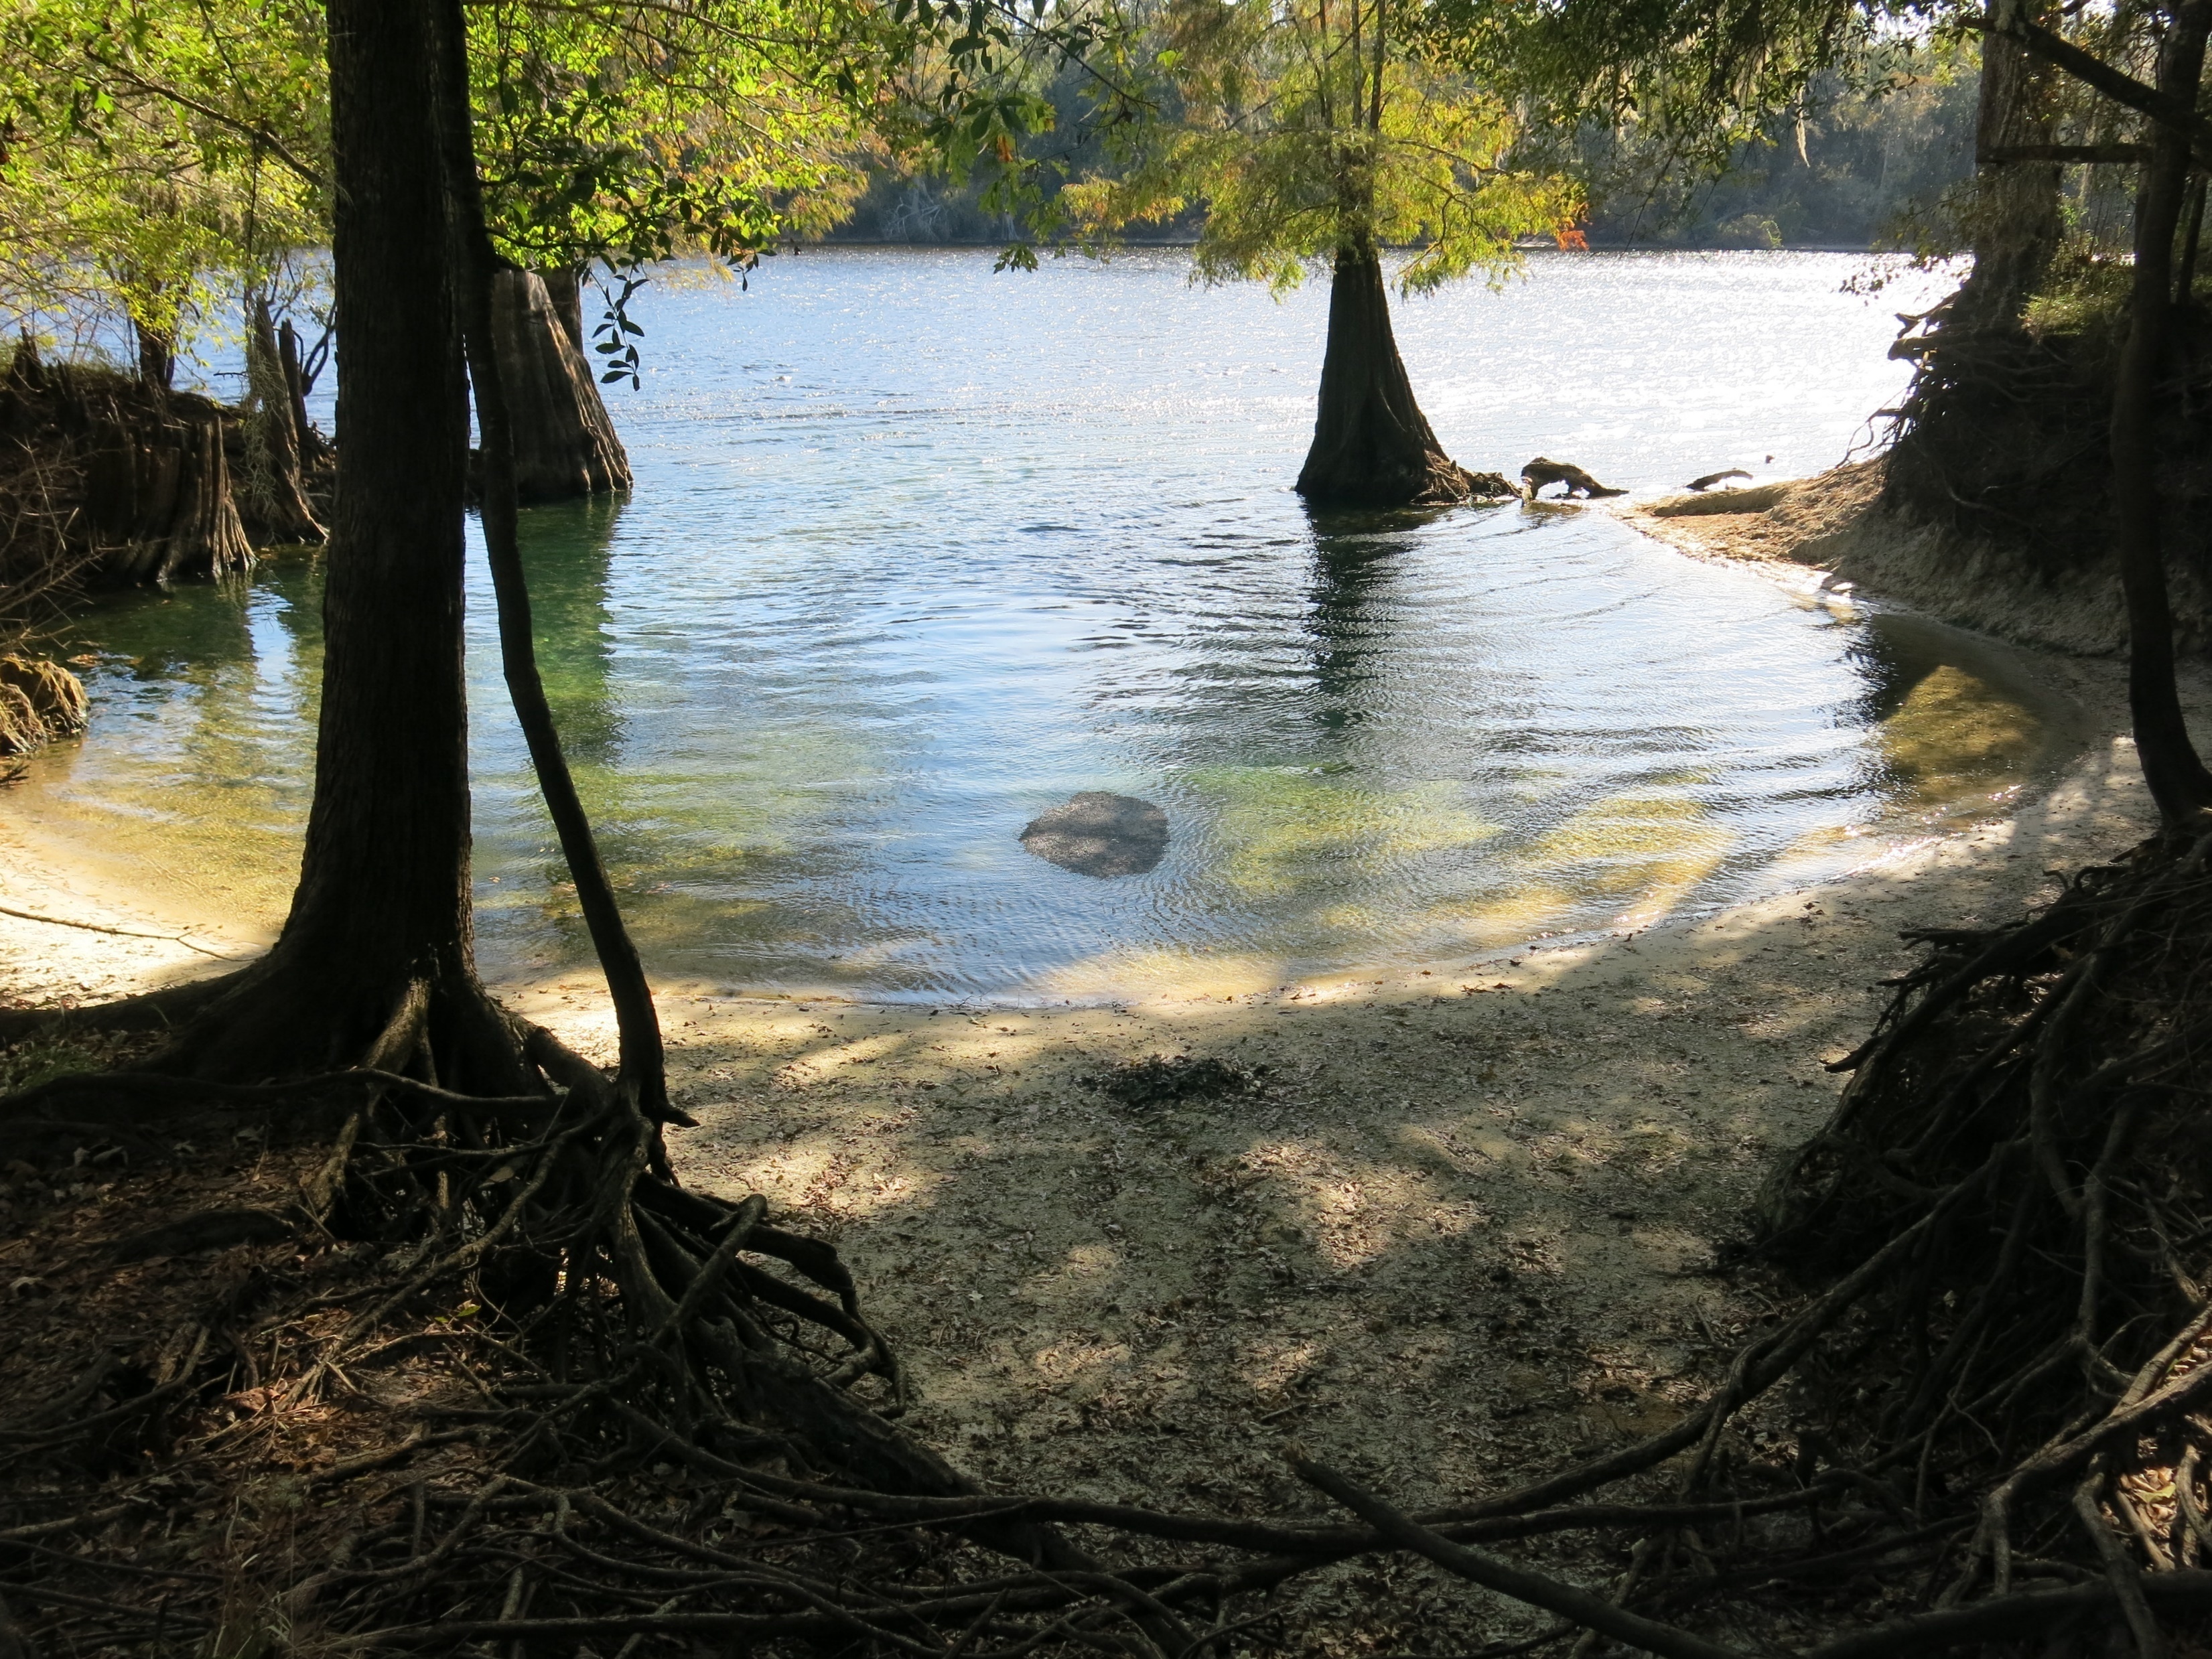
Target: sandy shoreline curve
(1468,1225)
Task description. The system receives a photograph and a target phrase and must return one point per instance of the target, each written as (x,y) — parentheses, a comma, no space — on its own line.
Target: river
(918,550)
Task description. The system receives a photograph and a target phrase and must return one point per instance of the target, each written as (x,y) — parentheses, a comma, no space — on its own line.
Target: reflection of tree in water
(201,755)
(1354,554)
(570,549)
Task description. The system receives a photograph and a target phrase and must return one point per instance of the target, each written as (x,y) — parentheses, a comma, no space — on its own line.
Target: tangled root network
(482,1375)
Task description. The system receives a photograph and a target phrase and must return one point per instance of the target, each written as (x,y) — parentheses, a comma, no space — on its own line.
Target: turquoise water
(917,551)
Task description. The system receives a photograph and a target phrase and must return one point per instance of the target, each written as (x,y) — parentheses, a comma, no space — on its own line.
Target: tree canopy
(160,157)
(1306,129)
(151,154)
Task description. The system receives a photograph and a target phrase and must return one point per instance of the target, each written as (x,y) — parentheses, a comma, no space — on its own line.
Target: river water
(917,551)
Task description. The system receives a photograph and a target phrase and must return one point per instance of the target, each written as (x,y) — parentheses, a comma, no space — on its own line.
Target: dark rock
(1098,834)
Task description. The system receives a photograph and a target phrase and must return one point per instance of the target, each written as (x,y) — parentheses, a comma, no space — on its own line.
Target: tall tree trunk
(564,442)
(380,920)
(1372,447)
(2176,778)
(2015,224)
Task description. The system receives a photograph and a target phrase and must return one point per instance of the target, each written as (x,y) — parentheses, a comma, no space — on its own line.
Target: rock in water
(1097,834)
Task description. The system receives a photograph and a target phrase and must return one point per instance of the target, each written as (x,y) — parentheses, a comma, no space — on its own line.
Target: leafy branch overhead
(1304,131)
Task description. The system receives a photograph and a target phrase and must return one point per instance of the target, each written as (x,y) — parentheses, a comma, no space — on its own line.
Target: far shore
(1470,1222)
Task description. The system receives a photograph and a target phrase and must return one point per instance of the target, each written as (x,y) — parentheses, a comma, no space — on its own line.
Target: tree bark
(382,918)
(157,356)
(314,451)
(2176,776)
(275,489)
(564,442)
(1372,447)
(160,499)
(2015,226)
(565,288)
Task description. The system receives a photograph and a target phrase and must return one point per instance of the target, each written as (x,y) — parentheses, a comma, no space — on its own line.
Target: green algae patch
(1954,732)
(1280,827)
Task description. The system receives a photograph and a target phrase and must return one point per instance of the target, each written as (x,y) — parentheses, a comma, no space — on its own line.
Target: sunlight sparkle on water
(917,552)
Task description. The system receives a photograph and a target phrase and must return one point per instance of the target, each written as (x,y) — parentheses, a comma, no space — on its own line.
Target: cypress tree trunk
(157,490)
(565,290)
(157,356)
(381,921)
(275,489)
(1372,447)
(2176,776)
(111,475)
(2016,225)
(564,443)
(313,450)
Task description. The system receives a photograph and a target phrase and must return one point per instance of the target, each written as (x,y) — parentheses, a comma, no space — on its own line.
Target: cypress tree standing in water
(616,136)
(1313,132)
(1371,444)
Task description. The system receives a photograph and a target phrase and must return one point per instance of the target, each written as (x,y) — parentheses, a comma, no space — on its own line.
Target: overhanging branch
(2116,84)
(260,135)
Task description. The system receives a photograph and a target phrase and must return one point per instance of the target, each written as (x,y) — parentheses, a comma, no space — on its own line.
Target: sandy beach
(1469,1223)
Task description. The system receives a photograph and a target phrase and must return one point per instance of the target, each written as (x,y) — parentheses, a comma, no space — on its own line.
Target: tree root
(149,1011)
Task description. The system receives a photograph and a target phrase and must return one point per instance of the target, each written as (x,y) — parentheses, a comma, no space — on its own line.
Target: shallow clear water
(917,551)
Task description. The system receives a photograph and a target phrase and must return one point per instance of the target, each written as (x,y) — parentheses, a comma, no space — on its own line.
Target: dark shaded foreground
(427,1450)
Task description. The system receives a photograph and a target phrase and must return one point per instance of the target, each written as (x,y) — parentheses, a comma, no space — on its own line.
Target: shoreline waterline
(1466,1224)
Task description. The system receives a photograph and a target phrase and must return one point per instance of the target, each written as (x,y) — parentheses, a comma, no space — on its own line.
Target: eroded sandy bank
(1831,525)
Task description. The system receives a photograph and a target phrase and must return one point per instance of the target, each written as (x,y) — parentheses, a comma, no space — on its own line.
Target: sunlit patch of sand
(1351,1211)
(1134,974)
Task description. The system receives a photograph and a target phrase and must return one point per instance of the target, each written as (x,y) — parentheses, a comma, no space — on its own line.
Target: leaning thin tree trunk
(2014,226)
(487,331)
(565,445)
(1372,447)
(2176,778)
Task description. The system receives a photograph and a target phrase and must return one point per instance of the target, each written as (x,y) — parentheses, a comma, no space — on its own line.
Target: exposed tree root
(637,1415)
(2037,1092)
(148,1011)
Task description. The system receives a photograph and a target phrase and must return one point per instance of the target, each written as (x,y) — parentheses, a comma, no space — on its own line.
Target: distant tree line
(1867,158)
